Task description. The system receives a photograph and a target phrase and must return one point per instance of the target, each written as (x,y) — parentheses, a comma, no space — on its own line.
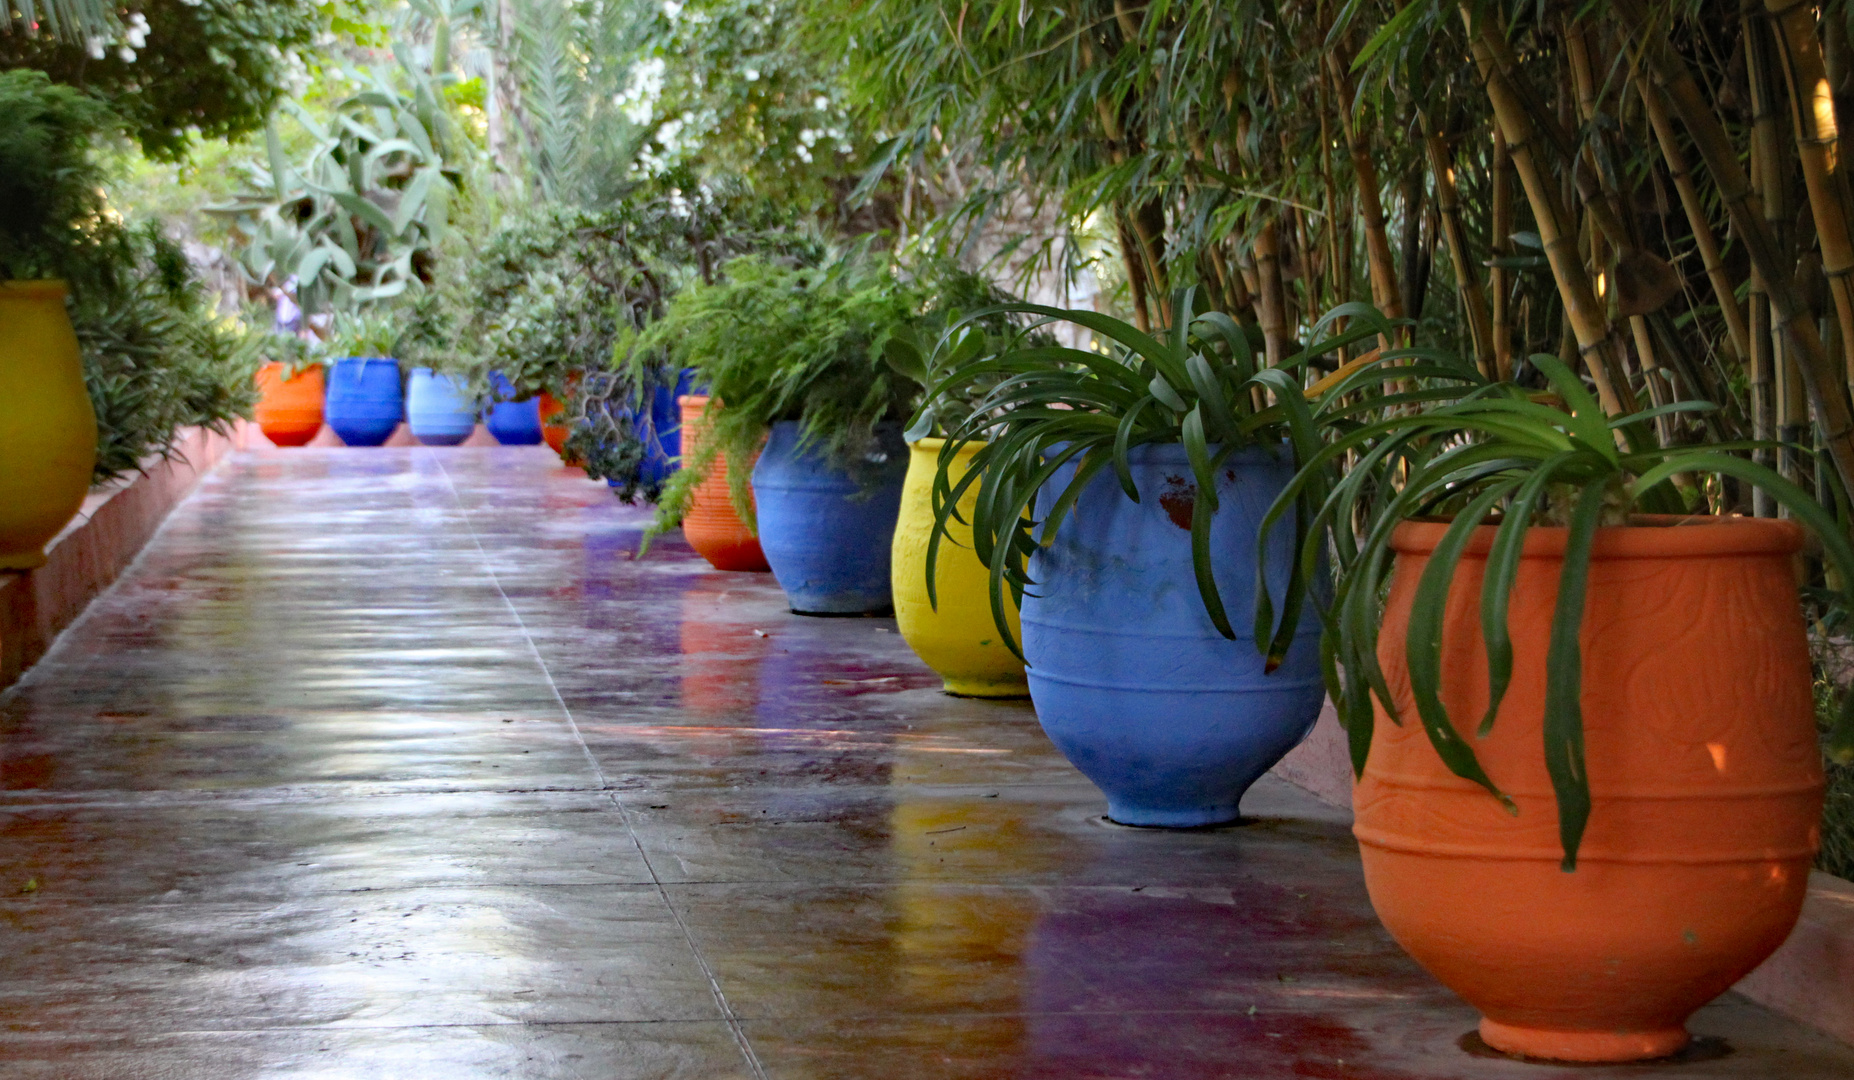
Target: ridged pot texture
(48,430)
(1131,679)
(1703,767)
(365,402)
(828,534)
(436,409)
(957,638)
(289,411)
(711,526)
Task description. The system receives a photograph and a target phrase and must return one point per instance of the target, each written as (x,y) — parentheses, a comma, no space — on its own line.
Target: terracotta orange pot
(552,430)
(1705,778)
(711,526)
(289,411)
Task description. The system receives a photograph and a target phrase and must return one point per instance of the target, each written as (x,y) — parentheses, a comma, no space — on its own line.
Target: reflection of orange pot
(289,411)
(720,657)
(1705,777)
(711,526)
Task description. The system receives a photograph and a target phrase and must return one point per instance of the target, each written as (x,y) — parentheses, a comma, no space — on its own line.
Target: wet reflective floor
(394,763)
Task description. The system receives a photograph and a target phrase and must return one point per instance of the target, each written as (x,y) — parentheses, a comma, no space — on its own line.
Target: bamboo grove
(1652,192)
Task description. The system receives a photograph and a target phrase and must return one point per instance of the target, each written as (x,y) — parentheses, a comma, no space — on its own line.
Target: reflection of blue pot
(364,402)
(1130,678)
(437,410)
(825,535)
(513,423)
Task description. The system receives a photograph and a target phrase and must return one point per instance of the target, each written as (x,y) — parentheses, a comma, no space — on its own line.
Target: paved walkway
(394,764)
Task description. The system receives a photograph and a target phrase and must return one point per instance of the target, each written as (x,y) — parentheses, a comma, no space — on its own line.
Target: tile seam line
(714,984)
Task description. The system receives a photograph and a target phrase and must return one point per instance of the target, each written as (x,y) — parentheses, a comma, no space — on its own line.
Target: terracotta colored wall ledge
(1811,978)
(104,537)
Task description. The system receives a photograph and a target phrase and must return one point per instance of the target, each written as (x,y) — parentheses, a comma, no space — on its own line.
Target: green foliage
(157,358)
(205,68)
(50,182)
(1497,454)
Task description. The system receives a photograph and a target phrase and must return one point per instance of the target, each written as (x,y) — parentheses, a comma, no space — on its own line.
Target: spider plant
(1504,456)
(1039,408)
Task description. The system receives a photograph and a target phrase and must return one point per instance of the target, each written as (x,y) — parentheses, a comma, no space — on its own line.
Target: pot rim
(692,401)
(1647,536)
(36,288)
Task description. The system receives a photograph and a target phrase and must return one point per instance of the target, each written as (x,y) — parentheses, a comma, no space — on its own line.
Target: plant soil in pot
(365,401)
(48,429)
(710,524)
(1704,772)
(1131,679)
(436,409)
(952,631)
(289,409)
(827,533)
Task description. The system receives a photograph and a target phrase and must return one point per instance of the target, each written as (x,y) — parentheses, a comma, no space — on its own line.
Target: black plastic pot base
(1699,1048)
(1211,827)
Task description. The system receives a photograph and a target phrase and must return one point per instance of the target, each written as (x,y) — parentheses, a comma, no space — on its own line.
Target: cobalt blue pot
(1130,679)
(513,423)
(364,402)
(436,409)
(663,436)
(827,533)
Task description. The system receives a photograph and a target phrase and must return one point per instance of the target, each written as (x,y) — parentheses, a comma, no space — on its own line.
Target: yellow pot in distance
(959,641)
(48,431)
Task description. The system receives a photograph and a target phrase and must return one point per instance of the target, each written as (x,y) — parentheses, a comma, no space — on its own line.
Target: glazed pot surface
(711,525)
(365,402)
(1131,679)
(512,422)
(48,429)
(289,411)
(958,638)
(1705,778)
(436,409)
(827,535)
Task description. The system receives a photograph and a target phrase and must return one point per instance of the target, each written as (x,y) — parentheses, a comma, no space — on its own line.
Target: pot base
(25,560)
(1148,817)
(985,688)
(1589,1047)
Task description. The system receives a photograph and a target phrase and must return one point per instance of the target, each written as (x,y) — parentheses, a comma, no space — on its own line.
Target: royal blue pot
(1130,679)
(364,402)
(513,423)
(663,436)
(436,409)
(827,533)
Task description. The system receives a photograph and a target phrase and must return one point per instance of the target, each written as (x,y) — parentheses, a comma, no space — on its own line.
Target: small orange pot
(289,411)
(1705,778)
(711,526)
(552,429)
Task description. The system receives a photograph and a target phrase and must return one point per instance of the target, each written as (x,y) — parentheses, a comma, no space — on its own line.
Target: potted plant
(49,187)
(366,399)
(793,358)
(1119,497)
(1582,718)
(291,387)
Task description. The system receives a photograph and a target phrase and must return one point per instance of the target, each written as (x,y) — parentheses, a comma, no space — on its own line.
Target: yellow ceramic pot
(959,640)
(48,431)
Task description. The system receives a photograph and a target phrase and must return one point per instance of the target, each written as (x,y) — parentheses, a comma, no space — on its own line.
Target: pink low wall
(104,537)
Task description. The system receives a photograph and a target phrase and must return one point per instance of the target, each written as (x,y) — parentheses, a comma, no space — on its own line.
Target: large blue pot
(826,533)
(364,402)
(436,409)
(663,436)
(513,423)
(1130,679)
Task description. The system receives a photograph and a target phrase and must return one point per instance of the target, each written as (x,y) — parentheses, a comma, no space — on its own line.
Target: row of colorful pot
(1698,736)
(363,399)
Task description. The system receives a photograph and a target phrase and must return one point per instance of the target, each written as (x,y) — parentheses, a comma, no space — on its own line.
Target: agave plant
(1042,408)
(1500,454)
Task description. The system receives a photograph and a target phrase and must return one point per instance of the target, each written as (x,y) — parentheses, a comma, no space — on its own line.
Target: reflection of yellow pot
(48,432)
(959,640)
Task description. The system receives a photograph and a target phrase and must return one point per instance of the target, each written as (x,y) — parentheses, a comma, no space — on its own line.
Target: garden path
(394,763)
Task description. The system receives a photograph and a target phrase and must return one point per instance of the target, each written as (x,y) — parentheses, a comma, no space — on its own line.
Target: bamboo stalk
(1467,282)
(1823,375)
(1497,284)
(1384,291)
(1723,291)
(1272,299)
(1588,320)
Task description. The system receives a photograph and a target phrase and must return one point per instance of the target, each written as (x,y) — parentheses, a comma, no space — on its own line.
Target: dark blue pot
(513,423)
(364,402)
(663,436)
(826,535)
(436,409)
(1130,679)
